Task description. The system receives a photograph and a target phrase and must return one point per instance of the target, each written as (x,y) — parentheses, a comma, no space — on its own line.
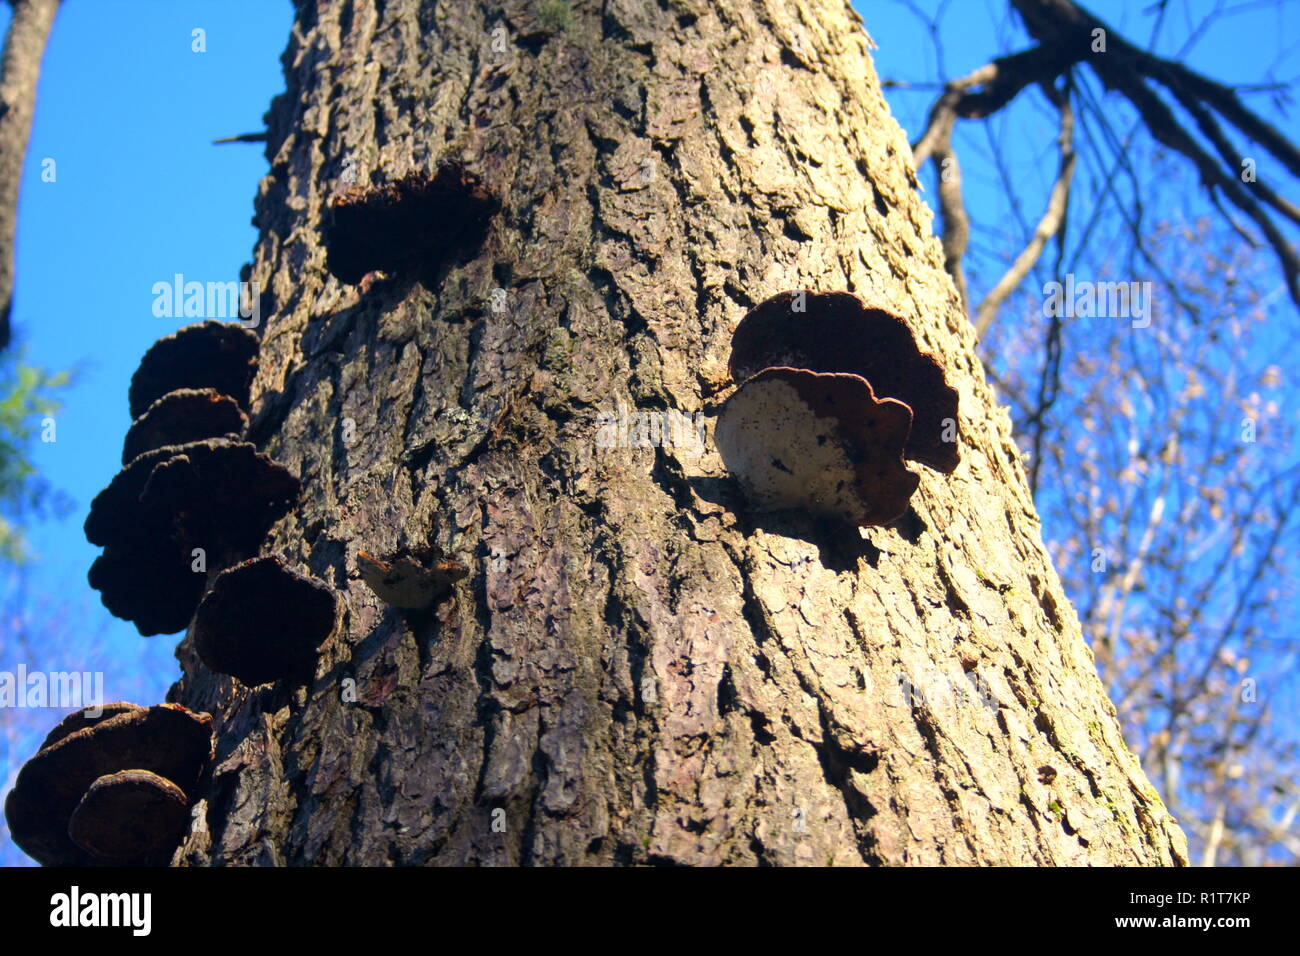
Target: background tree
(26,392)
(638,669)
(20,67)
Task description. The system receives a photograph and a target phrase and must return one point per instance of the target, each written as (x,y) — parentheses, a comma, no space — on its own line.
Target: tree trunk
(638,669)
(19,71)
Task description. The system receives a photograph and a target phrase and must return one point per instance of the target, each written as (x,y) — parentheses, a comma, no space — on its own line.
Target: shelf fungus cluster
(834,396)
(411,226)
(190,483)
(111,788)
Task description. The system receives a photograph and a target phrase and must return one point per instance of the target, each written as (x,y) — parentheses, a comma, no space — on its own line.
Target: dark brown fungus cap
(154,587)
(81,719)
(185,415)
(211,354)
(143,576)
(412,581)
(263,621)
(412,225)
(131,817)
(116,516)
(211,492)
(837,333)
(167,740)
(821,443)
(219,494)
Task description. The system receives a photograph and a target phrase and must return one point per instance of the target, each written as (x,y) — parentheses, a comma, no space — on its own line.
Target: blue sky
(128,112)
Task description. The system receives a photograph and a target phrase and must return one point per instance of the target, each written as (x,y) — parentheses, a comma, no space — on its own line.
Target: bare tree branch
(1068,35)
(988,89)
(1123,67)
(956,223)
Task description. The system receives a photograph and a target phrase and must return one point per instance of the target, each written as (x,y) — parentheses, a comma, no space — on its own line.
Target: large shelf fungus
(191,491)
(410,226)
(116,516)
(220,494)
(820,442)
(152,586)
(835,332)
(216,493)
(217,496)
(209,354)
(143,576)
(130,816)
(263,621)
(86,717)
(185,415)
(111,789)
(833,397)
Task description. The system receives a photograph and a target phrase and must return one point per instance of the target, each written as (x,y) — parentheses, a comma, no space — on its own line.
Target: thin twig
(1048,226)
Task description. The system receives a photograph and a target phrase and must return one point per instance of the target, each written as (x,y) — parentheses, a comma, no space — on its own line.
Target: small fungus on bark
(262,621)
(412,581)
(166,740)
(822,443)
(410,226)
(209,354)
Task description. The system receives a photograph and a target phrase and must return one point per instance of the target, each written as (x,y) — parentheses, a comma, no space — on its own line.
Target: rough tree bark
(638,668)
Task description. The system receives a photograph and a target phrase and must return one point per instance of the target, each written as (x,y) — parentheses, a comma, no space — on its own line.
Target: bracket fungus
(263,621)
(209,354)
(412,225)
(153,587)
(216,494)
(78,775)
(185,415)
(131,815)
(116,517)
(189,484)
(412,581)
(143,576)
(835,332)
(817,441)
(220,493)
(81,719)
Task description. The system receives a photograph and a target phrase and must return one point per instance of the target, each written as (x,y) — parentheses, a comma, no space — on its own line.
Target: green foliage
(27,400)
